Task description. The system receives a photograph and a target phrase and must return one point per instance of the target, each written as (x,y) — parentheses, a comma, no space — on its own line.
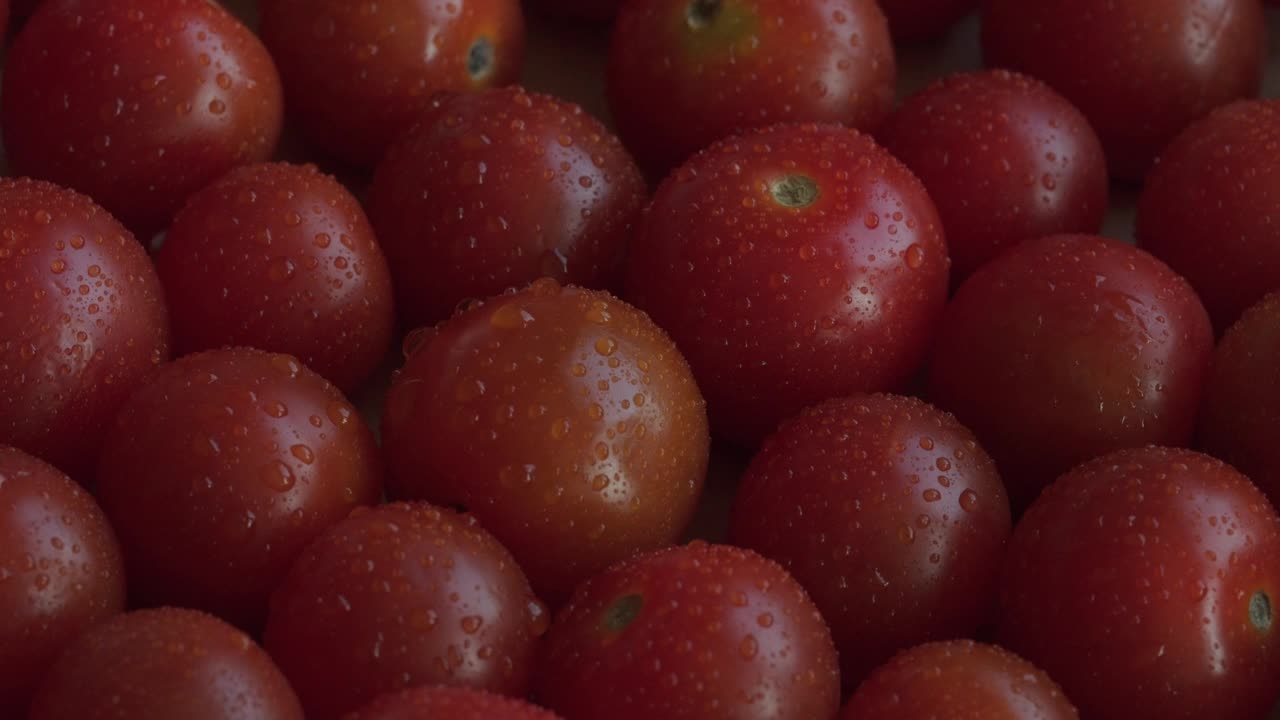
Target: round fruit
(448,703)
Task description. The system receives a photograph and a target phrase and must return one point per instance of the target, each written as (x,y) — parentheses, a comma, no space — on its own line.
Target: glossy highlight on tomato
(451,703)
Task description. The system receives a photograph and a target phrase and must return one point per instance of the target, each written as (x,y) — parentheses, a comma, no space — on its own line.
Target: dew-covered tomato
(888,513)
(449,703)
(161,665)
(60,572)
(357,74)
(563,418)
(1140,70)
(138,104)
(699,632)
(1005,158)
(495,189)
(82,321)
(791,264)
(1068,347)
(685,73)
(221,468)
(282,258)
(917,20)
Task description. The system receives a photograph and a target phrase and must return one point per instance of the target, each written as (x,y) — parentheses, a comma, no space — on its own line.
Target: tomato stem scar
(480,58)
(1260,611)
(702,13)
(623,612)
(794,191)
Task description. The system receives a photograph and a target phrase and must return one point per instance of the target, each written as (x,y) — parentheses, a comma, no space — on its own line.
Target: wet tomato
(221,468)
(918,20)
(700,632)
(448,703)
(563,418)
(791,264)
(496,189)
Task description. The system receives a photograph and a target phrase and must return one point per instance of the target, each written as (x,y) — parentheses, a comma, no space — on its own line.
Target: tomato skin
(91,322)
(920,20)
(454,703)
(560,200)
(1004,157)
(695,632)
(282,258)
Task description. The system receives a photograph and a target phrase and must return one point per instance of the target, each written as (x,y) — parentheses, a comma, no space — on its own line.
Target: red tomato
(599,11)
(138,104)
(684,73)
(496,189)
(449,703)
(1144,581)
(791,264)
(1005,158)
(162,665)
(358,74)
(700,632)
(397,596)
(4,18)
(60,572)
(280,257)
(959,680)
(918,20)
(563,418)
(1068,347)
(82,322)
(220,470)
(890,515)
(1140,70)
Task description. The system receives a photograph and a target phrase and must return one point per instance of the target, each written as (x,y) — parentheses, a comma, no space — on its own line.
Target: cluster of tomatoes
(987,447)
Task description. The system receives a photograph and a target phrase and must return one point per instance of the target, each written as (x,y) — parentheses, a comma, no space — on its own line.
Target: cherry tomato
(4,18)
(451,703)
(959,680)
(684,73)
(496,189)
(358,74)
(397,596)
(60,572)
(82,321)
(599,11)
(563,418)
(219,471)
(1068,347)
(705,632)
(282,258)
(890,515)
(1005,158)
(1140,70)
(138,104)
(791,264)
(918,20)
(161,665)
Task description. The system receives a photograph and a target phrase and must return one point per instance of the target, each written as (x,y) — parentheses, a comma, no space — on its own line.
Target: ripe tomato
(700,632)
(888,513)
(448,703)
(496,189)
(791,264)
(60,572)
(161,665)
(1005,158)
(1068,347)
(138,104)
(358,74)
(82,321)
(397,596)
(918,20)
(563,418)
(1140,70)
(282,258)
(684,73)
(219,471)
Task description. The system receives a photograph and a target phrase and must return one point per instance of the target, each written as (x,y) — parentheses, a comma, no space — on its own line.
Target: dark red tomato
(496,189)
(700,632)
(890,515)
(918,20)
(82,321)
(791,264)
(161,665)
(358,74)
(564,419)
(280,257)
(1145,582)
(4,18)
(1207,207)
(599,11)
(959,680)
(138,104)
(685,73)
(220,470)
(449,703)
(1005,158)
(1068,347)
(60,572)
(1140,70)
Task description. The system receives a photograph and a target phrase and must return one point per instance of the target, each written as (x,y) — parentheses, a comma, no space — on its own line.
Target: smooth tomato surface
(448,703)
(919,20)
